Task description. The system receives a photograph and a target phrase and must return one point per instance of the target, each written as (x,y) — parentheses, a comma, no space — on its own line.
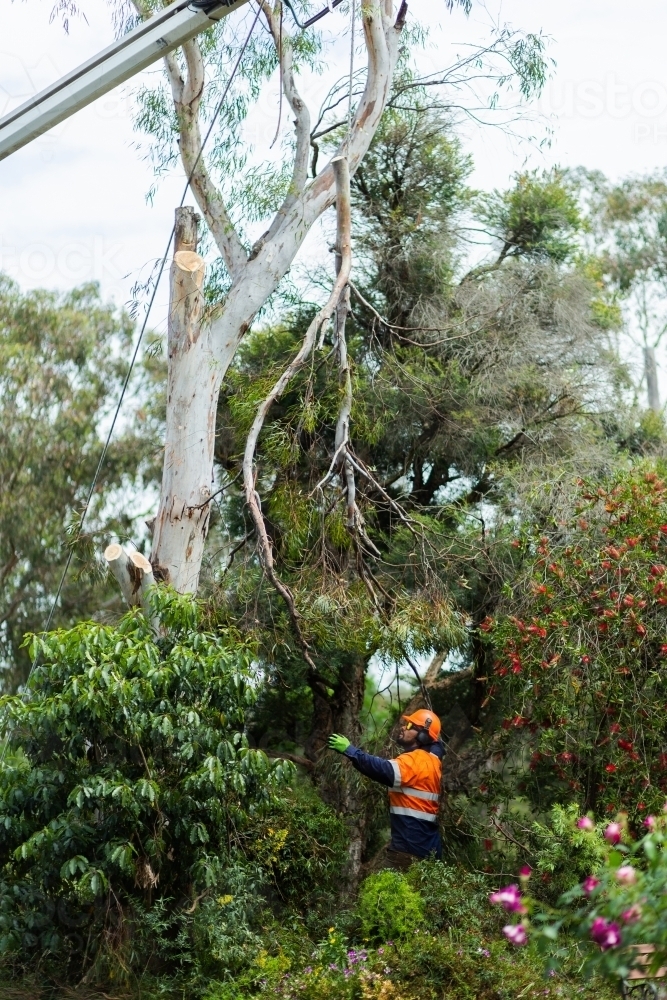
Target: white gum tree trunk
(193,384)
(199,353)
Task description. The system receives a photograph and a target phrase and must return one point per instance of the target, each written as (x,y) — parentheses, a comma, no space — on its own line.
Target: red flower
(663,649)
(614,728)
(488,845)
(610,768)
(625,744)
(486,624)
(605,564)
(657,570)
(663,528)
(633,541)
(628,600)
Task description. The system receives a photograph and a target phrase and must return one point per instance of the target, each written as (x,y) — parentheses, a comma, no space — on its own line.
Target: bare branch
(283,44)
(187,99)
(252,497)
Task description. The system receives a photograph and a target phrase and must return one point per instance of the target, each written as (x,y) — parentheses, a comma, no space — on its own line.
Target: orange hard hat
(425,719)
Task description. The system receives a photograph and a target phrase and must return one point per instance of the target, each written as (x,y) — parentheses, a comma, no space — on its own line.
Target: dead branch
(253,500)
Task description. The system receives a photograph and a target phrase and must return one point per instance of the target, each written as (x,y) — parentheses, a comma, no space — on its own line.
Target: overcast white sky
(72,205)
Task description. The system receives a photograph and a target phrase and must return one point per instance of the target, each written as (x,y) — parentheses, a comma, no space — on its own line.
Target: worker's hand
(338,743)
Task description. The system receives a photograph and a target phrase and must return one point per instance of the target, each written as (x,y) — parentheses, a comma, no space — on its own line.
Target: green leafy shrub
(125,785)
(301,844)
(562,852)
(389,908)
(452,896)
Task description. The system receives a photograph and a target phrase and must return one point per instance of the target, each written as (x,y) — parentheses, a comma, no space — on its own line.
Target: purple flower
(605,933)
(509,898)
(515,933)
(380,951)
(613,833)
(589,884)
(585,823)
(626,875)
(332,965)
(632,915)
(308,969)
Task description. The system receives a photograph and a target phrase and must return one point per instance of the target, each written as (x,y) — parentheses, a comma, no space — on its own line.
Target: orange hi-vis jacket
(416,789)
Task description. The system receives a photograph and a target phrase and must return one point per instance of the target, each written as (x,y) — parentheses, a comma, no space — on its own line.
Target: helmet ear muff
(424,737)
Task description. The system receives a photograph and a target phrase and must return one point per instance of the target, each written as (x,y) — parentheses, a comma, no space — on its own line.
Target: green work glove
(338,743)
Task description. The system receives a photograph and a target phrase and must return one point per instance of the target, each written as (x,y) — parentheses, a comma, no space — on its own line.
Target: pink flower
(589,884)
(632,915)
(649,822)
(526,872)
(585,823)
(515,933)
(605,933)
(509,898)
(626,875)
(613,833)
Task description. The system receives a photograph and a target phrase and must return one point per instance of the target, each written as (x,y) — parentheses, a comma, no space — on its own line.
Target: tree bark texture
(340,785)
(651,371)
(193,383)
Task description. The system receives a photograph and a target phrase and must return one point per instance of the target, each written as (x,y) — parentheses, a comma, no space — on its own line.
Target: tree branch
(299,109)
(309,340)
(187,99)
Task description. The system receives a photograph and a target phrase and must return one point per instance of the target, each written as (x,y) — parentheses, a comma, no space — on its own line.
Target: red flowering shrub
(580,665)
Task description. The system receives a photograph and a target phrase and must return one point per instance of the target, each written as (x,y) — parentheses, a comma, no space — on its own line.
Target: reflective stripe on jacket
(416,788)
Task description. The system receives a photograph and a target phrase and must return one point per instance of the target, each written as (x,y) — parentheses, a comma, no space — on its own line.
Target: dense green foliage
(389,908)
(62,361)
(126,782)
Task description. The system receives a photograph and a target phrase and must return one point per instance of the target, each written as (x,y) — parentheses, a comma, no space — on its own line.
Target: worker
(413,779)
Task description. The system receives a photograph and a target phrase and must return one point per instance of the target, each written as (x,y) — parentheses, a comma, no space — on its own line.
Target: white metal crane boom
(146,43)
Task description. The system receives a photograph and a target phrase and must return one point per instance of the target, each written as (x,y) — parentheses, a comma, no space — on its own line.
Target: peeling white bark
(193,384)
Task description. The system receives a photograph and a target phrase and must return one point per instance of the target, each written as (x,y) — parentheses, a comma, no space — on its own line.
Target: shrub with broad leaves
(123,789)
